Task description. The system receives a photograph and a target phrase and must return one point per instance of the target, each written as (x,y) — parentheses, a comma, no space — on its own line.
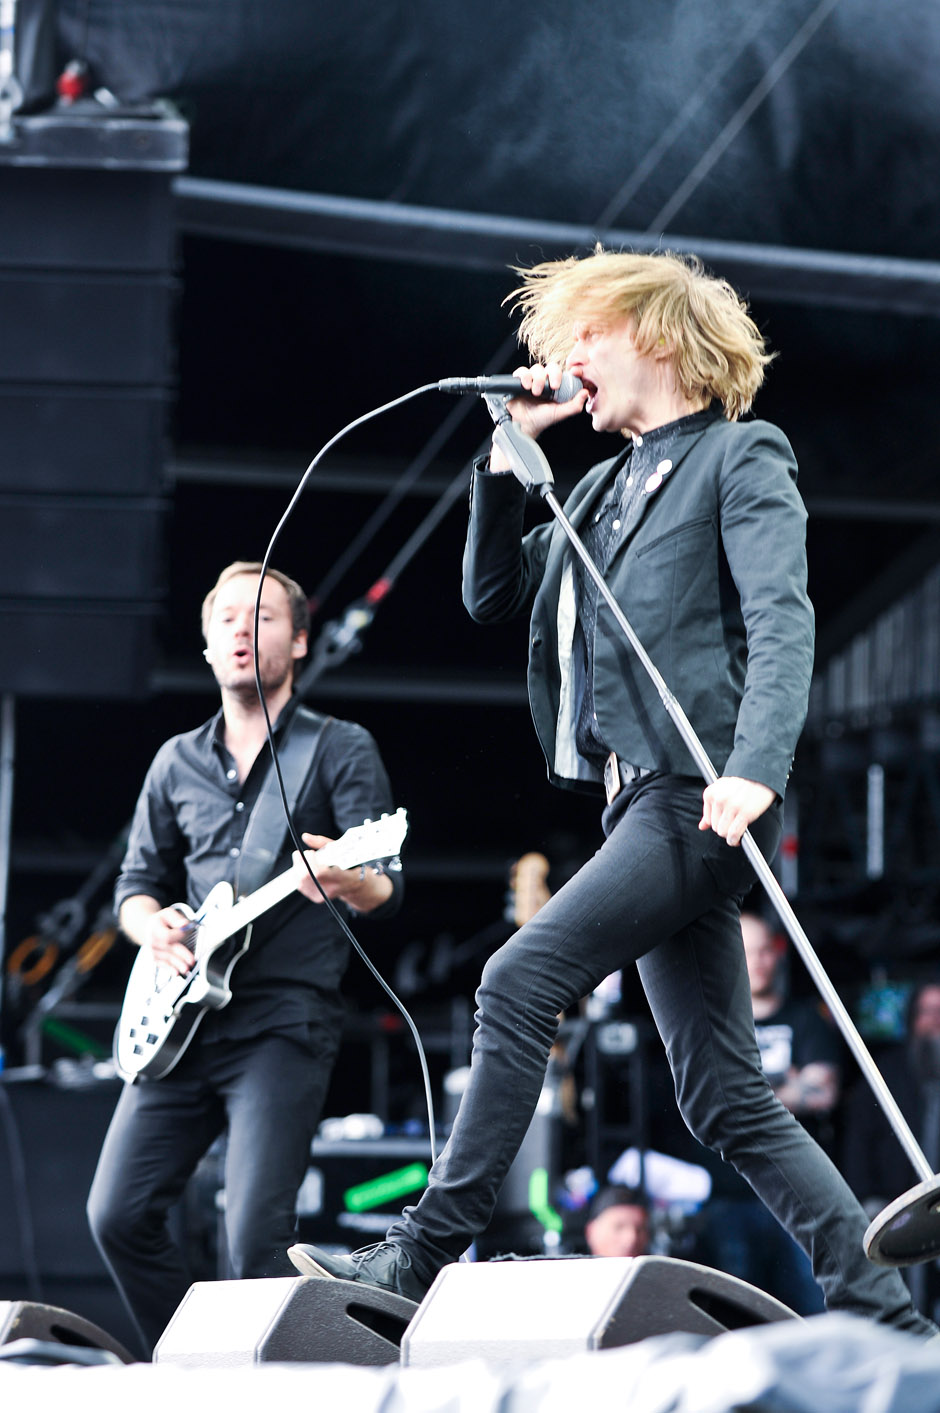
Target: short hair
(299,607)
(617,1196)
(716,348)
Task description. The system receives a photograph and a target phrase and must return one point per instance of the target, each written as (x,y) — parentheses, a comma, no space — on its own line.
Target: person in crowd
(618,1222)
(801,1057)
(874,1162)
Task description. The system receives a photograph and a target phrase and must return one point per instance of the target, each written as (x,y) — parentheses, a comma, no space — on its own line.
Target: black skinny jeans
(267,1094)
(666,895)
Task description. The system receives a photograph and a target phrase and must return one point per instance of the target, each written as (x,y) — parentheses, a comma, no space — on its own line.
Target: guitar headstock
(373,841)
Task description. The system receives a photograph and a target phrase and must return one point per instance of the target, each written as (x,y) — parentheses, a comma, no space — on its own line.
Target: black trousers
(665,895)
(267,1094)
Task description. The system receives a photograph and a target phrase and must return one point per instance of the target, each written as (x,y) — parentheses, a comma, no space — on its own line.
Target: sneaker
(384,1265)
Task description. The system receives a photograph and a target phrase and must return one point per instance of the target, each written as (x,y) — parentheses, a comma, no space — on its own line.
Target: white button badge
(654,481)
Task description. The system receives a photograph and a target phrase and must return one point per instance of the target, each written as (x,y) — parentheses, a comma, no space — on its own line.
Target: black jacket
(713,581)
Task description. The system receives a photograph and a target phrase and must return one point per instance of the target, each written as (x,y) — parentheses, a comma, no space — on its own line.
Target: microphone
(512,387)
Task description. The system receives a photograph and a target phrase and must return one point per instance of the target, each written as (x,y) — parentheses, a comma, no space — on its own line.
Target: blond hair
(716,348)
(299,608)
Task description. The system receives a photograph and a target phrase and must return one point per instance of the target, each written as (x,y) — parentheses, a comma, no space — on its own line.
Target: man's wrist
(486,468)
(373,888)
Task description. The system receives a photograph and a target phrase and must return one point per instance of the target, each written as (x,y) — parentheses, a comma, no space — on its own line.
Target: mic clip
(496,406)
(526,459)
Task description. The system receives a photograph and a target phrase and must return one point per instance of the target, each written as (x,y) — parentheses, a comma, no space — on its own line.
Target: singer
(698,527)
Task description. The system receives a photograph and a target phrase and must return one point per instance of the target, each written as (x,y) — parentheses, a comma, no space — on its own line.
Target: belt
(618,773)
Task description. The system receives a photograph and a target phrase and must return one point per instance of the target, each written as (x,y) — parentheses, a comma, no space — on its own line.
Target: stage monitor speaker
(544,1308)
(44,1325)
(223,1324)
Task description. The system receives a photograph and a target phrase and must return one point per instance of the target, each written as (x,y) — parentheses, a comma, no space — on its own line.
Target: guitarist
(257,1069)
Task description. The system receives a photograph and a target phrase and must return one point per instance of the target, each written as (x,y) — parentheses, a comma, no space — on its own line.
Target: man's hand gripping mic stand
(907,1231)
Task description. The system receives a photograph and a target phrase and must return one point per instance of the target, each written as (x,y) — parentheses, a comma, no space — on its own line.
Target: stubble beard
(243,686)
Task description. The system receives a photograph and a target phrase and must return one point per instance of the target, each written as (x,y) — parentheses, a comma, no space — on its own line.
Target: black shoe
(385,1265)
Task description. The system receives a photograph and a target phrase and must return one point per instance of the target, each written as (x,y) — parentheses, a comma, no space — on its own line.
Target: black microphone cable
(435,443)
(292,828)
(359,616)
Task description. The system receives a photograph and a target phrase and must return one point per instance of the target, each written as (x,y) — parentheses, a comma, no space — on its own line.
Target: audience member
(874,1163)
(618,1223)
(800,1054)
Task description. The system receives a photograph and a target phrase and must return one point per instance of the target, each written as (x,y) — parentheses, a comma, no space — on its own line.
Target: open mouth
(592,393)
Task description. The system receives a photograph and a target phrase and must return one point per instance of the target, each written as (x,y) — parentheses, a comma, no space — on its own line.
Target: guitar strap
(267,828)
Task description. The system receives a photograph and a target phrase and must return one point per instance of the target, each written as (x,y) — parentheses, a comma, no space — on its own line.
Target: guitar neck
(246,910)
(357,847)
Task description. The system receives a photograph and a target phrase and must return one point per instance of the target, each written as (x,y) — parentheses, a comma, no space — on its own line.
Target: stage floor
(827,1364)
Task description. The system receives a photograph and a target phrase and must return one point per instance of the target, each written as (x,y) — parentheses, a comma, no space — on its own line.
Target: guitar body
(162,1009)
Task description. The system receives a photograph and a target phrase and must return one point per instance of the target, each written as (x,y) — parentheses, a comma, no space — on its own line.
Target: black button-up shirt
(186,836)
(612,522)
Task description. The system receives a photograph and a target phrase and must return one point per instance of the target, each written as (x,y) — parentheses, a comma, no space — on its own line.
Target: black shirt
(186,836)
(640,467)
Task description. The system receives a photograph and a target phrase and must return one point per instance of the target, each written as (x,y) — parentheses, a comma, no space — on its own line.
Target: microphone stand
(908,1230)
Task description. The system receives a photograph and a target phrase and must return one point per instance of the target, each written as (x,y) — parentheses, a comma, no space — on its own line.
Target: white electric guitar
(162,1009)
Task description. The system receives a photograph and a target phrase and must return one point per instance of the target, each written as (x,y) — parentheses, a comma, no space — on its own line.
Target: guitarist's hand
(361,889)
(163,930)
(167,930)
